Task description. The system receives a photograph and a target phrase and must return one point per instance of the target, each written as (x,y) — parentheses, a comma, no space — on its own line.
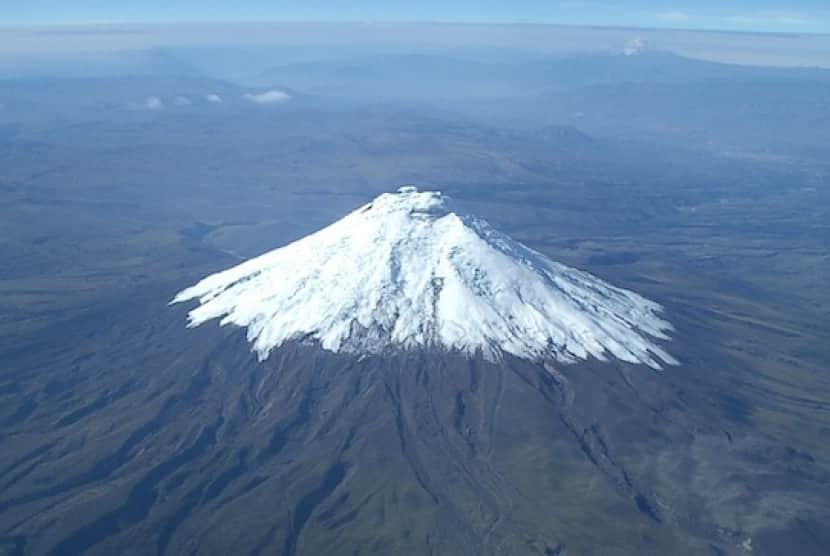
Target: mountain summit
(406,272)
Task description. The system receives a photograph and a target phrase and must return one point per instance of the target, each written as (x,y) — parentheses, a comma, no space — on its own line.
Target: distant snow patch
(274,96)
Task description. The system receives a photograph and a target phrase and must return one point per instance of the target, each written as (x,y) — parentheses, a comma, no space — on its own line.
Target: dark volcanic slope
(167,440)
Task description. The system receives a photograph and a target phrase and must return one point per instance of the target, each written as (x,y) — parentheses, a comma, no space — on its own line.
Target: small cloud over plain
(274,96)
(182,101)
(153,103)
(214,98)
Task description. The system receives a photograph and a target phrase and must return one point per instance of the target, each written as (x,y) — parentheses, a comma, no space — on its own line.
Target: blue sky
(800,16)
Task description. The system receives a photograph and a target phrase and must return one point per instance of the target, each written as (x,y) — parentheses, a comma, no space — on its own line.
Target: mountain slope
(161,440)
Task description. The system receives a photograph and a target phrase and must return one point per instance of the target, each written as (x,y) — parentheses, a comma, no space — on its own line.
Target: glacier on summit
(405,272)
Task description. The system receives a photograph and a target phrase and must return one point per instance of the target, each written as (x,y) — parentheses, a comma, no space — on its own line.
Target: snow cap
(406,272)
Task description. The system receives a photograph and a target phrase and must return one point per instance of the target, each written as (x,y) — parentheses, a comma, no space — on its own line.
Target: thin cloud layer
(676,15)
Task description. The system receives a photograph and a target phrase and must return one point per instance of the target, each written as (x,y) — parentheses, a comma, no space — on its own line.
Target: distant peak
(406,272)
(635,47)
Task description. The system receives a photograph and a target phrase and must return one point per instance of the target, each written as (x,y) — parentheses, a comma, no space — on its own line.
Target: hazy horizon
(102,49)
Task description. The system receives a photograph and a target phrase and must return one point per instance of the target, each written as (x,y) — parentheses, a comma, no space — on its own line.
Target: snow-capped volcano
(405,272)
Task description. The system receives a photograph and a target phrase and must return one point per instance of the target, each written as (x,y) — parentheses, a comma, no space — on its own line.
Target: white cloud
(274,96)
(182,101)
(214,98)
(153,103)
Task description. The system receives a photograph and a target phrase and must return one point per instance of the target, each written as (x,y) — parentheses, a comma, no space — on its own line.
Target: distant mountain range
(432,76)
